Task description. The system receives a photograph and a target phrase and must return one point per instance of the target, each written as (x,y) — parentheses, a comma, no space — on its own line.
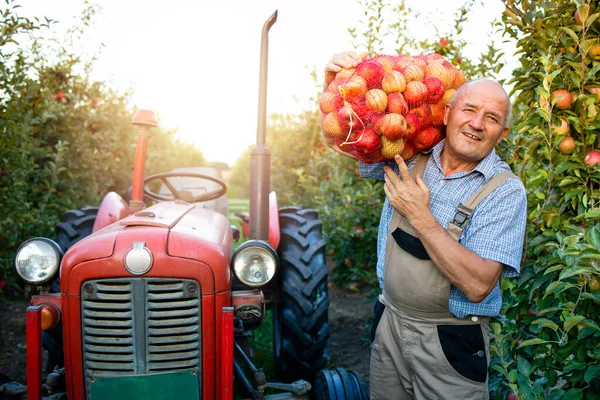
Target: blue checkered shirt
(496,229)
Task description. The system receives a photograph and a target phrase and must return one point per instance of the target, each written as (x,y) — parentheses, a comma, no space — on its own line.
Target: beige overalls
(421,350)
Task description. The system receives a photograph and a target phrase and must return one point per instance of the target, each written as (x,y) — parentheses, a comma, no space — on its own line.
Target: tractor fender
(112,209)
(274,234)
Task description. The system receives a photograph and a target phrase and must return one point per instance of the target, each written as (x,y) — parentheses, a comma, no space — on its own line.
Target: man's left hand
(409,197)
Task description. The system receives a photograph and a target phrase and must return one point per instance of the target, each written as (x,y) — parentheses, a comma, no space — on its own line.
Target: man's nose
(477,121)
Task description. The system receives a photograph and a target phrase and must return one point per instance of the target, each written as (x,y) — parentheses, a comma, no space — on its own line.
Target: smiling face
(475,122)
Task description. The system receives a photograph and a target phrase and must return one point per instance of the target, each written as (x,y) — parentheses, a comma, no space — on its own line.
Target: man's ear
(503,135)
(446,113)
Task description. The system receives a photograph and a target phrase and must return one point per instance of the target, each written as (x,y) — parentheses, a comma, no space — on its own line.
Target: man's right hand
(347,59)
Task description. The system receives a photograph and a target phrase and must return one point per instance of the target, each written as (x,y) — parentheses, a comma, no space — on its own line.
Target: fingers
(349,59)
(421,183)
(403,168)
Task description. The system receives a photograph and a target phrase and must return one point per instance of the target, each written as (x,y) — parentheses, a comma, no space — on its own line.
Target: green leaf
(592,372)
(546,323)
(594,236)
(572,321)
(583,11)
(571,33)
(591,296)
(524,367)
(531,342)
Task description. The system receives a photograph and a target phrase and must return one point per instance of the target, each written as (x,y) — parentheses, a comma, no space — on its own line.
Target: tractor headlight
(38,260)
(254,263)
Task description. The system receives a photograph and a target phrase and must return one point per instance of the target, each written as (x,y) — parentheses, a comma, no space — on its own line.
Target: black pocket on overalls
(464,349)
(377,313)
(412,245)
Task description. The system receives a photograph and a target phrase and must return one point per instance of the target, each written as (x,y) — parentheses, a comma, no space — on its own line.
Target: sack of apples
(389,105)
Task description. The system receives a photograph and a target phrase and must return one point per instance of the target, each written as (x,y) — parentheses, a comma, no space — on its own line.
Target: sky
(196,62)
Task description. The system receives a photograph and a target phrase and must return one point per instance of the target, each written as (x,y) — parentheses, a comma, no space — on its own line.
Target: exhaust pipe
(260,156)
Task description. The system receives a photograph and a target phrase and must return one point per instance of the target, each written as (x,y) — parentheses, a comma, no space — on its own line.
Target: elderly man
(452,224)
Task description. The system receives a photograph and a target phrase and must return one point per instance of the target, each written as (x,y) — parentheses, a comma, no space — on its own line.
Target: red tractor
(153,302)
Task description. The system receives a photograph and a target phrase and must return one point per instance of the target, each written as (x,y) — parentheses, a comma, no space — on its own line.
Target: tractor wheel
(75,225)
(339,384)
(300,324)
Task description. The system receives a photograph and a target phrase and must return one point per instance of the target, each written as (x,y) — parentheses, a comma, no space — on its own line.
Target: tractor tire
(339,384)
(75,225)
(300,320)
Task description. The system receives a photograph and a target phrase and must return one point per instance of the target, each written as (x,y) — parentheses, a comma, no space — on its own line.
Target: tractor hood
(180,239)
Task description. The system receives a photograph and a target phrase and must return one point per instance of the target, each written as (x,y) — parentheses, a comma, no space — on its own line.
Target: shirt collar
(485,166)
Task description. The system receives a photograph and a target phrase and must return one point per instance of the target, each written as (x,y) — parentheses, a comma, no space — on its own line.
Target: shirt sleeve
(497,227)
(371,171)
(375,170)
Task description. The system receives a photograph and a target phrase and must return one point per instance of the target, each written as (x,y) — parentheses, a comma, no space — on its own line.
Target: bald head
(489,85)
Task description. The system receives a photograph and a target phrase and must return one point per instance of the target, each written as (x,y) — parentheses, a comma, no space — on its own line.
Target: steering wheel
(183,194)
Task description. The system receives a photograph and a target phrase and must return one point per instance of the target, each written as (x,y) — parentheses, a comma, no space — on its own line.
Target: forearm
(473,275)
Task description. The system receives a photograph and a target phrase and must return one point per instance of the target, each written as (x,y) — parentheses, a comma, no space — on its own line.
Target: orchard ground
(349,319)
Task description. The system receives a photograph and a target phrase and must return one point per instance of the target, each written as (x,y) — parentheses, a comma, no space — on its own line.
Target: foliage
(349,208)
(65,140)
(549,345)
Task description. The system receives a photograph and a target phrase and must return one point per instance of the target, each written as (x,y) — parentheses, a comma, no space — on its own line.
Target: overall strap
(465,210)
(420,165)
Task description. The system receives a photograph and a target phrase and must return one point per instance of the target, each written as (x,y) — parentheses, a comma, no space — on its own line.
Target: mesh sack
(389,105)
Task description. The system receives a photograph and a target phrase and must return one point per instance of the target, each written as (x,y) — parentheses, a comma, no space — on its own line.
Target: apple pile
(389,105)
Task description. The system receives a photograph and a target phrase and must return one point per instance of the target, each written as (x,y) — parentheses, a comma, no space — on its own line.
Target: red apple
(437,114)
(562,97)
(330,101)
(331,125)
(397,104)
(392,126)
(424,114)
(435,89)
(415,93)
(352,117)
(372,72)
(367,142)
(441,71)
(459,77)
(567,145)
(511,396)
(448,94)
(413,125)
(354,88)
(387,62)
(426,138)
(376,100)
(592,158)
(412,72)
(393,81)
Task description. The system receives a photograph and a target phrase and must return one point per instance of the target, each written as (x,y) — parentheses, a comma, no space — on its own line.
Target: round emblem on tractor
(138,260)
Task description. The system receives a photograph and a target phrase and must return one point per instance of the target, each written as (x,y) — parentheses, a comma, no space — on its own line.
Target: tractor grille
(138,326)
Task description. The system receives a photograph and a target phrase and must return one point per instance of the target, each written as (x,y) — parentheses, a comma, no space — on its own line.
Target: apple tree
(548,344)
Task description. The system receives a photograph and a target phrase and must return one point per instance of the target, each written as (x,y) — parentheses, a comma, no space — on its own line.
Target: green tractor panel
(154,302)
